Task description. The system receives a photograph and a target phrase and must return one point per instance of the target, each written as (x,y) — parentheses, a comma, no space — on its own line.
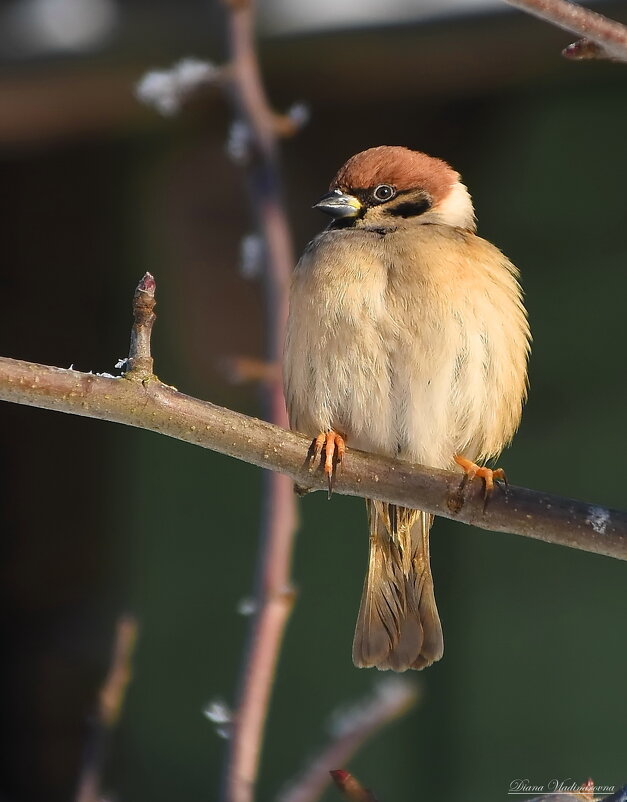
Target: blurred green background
(98,519)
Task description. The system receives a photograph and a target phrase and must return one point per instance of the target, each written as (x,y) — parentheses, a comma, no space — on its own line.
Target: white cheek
(457,209)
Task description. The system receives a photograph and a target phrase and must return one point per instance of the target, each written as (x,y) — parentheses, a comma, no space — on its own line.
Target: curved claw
(334,449)
(488,475)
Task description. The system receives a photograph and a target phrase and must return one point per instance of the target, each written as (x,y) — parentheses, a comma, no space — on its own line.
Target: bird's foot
(488,475)
(334,446)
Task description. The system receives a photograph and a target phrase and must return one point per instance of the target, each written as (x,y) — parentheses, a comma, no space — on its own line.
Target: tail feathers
(398,626)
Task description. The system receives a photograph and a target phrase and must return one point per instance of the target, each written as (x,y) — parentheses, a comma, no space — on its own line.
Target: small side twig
(110,703)
(585,50)
(139,365)
(601,36)
(350,787)
(391,699)
(242,369)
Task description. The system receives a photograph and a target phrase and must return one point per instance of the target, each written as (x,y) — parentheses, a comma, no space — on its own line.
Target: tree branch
(157,407)
(110,703)
(391,699)
(274,594)
(350,787)
(602,37)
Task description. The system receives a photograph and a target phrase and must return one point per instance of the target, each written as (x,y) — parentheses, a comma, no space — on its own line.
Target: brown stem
(139,363)
(110,704)
(241,369)
(350,787)
(274,593)
(390,700)
(609,36)
(159,408)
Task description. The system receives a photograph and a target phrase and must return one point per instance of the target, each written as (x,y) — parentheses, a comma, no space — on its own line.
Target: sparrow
(407,337)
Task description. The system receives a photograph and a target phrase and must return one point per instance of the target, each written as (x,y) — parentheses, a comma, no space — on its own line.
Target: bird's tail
(398,625)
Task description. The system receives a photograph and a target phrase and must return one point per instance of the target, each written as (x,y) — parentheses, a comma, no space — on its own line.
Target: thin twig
(242,369)
(139,363)
(274,594)
(391,699)
(609,38)
(350,787)
(160,408)
(110,704)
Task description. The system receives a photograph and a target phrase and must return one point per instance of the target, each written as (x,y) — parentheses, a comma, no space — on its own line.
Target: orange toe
(488,475)
(334,446)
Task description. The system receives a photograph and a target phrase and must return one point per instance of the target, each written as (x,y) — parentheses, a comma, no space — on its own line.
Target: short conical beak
(338,204)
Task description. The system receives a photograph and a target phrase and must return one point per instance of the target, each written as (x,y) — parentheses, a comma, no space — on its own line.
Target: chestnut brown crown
(401,167)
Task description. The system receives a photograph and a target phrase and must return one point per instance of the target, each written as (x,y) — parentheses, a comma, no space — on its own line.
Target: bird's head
(382,187)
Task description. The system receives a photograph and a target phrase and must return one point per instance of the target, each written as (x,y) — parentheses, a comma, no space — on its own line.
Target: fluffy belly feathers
(401,361)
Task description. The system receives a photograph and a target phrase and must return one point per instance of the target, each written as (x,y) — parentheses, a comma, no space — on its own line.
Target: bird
(406,337)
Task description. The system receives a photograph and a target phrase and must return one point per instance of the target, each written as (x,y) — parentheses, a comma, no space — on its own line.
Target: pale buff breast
(413,343)
(336,368)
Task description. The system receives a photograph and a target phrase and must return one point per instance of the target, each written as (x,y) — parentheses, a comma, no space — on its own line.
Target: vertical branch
(110,704)
(274,594)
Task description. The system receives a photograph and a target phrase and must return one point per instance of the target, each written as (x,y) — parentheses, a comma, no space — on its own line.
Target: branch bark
(390,700)
(110,703)
(274,594)
(601,37)
(157,407)
(350,787)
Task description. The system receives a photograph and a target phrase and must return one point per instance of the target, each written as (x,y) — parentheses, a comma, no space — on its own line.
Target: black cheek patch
(409,208)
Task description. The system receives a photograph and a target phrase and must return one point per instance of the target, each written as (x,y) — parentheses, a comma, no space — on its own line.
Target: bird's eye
(383,192)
